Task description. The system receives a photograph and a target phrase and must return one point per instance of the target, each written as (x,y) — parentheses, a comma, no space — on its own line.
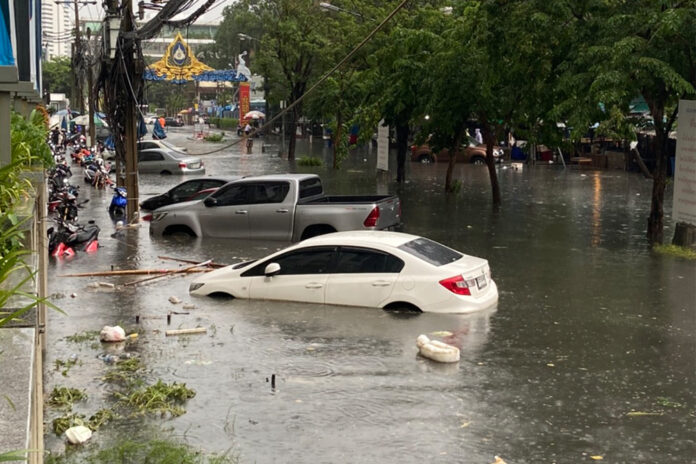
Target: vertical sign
(684,202)
(382,146)
(243,101)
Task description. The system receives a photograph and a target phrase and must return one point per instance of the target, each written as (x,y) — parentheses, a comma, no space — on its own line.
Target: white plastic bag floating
(112,334)
(78,434)
(437,350)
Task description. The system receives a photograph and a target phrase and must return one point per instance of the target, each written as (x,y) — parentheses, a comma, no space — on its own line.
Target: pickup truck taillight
(371,220)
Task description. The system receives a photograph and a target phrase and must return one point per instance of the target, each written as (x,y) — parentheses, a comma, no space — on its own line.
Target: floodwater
(591,351)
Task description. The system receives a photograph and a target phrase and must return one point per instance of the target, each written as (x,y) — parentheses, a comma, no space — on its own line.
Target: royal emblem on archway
(178,64)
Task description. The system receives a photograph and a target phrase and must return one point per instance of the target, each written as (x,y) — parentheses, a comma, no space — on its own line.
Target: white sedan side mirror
(272,269)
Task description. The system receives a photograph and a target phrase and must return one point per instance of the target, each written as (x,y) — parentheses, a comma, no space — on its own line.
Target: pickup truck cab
(288,207)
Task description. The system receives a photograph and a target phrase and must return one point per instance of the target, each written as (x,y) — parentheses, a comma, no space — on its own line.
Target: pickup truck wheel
(313,231)
(426,159)
(402,307)
(478,160)
(165,173)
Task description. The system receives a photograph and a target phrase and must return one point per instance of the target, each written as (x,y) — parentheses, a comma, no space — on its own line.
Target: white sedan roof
(361,238)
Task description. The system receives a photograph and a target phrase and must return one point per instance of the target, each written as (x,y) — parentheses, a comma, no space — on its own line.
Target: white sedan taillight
(457,285)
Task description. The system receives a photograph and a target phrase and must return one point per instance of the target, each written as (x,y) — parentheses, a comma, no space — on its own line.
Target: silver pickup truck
(288,207)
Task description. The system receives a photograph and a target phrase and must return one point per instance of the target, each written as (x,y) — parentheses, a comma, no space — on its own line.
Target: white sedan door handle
(281,211)
(381,283)
(314,285)
(241,211)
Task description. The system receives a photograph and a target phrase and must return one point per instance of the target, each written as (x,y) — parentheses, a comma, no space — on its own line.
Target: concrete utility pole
(90,94)
(77,51)
(132,72)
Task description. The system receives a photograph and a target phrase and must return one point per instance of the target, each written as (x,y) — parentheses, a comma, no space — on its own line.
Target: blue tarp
(158,131)
(6,55)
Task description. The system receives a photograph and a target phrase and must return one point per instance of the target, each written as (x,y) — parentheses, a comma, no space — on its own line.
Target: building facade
(57,21)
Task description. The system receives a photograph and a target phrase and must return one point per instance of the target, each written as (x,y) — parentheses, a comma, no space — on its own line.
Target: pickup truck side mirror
(272,269)
(210,201)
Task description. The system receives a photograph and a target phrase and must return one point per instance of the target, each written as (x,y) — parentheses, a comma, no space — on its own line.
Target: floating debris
(78,434)
(112,334)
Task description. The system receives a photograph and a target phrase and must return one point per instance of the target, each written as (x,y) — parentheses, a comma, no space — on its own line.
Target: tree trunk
(402,132)
(337,138)
(292,133)
(489,139)
(655,233)
(449,187)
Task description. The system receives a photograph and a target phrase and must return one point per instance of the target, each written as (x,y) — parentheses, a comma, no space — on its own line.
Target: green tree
(645,48)
(400,67)
(56,76)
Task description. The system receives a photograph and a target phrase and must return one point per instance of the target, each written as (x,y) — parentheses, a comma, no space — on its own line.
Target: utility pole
(77,51)
(90,93)
(132,73)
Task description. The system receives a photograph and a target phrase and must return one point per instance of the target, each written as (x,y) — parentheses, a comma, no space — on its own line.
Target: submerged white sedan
(388,270)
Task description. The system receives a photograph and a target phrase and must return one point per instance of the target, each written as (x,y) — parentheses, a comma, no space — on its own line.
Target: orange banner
(243,101)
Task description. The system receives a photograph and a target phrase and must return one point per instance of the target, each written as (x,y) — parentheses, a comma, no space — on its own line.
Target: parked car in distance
(149,144)
(388,270)
(287,207)
(159,161)
(473,153)
(150,118)
(173,122)
(188,190)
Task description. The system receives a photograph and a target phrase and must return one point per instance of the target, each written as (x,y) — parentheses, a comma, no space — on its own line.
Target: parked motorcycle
(66,238)
(117,208)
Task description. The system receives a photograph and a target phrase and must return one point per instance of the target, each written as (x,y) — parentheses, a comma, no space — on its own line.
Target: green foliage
(159,398)
(57,76)
(157,451)
(309,161)
(64,366)
(29,145)
(675,250)
(64,397)
(225,123)
(63,423)
(213,138)
(86,336)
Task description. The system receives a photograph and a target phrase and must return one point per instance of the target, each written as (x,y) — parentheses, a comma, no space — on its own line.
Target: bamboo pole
(196,330)
(212,264)
(178,271)
(123,272)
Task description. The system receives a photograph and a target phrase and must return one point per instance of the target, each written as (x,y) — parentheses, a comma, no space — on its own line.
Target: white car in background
(388,270)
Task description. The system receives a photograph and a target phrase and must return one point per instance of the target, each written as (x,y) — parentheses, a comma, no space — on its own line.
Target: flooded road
(590,352)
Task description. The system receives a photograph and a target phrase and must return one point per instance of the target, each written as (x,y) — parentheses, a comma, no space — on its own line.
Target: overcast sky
(213,14)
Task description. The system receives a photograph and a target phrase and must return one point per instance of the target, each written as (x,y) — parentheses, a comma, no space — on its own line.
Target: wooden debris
(196,330)
(133,272)
(188,261)
(172,272)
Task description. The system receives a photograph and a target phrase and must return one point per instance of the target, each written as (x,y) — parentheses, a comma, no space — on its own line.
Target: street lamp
(331,7)
(243,36)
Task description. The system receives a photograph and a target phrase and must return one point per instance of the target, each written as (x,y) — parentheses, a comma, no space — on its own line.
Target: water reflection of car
(159,161)
(189,190)
(388,270)
(473,153)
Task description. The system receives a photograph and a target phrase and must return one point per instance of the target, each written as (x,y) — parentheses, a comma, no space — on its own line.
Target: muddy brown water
(591,350)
